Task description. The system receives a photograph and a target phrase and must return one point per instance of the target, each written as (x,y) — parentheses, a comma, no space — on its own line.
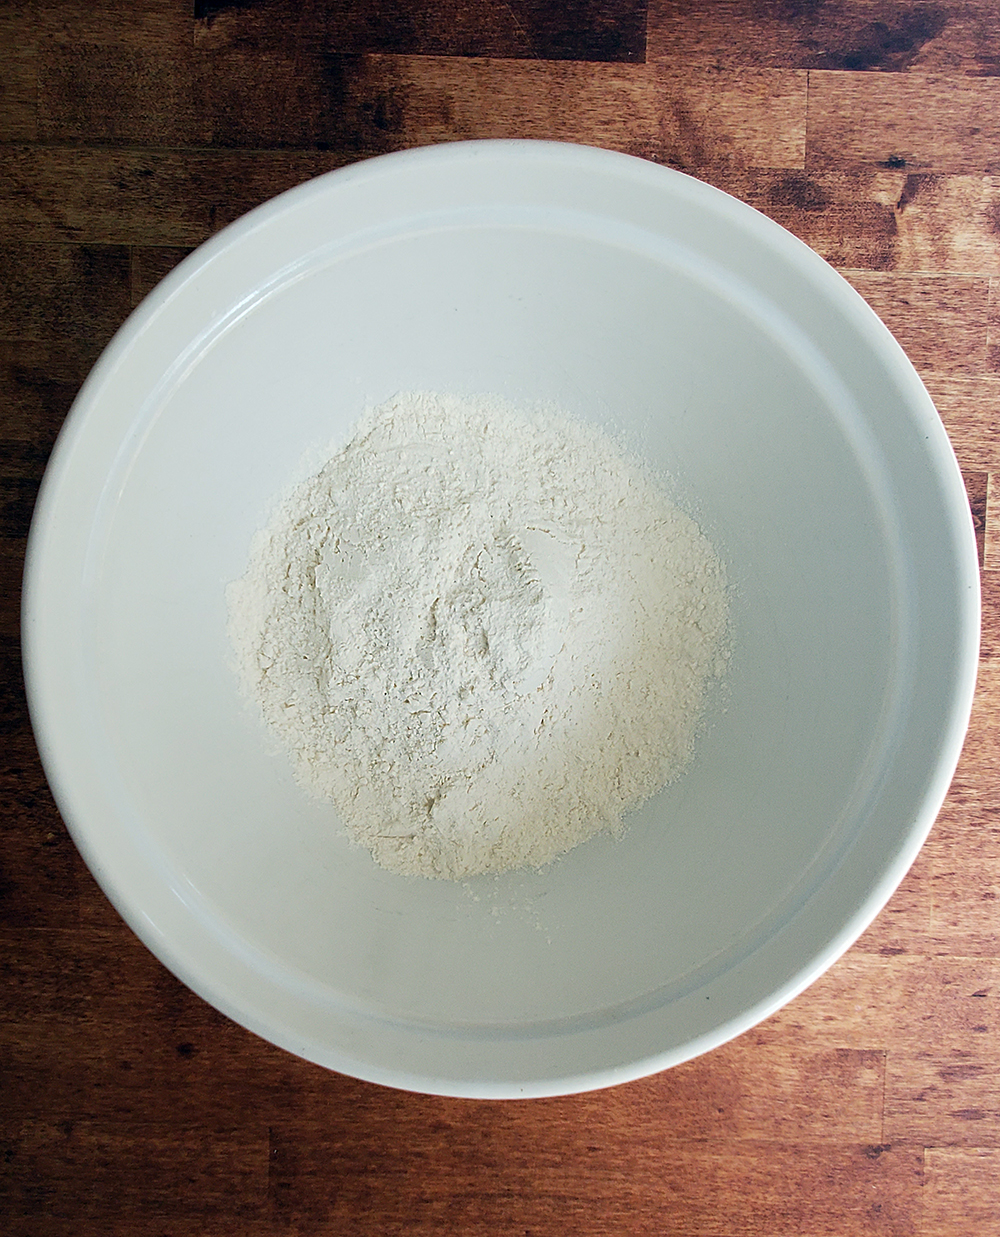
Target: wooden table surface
(129,134)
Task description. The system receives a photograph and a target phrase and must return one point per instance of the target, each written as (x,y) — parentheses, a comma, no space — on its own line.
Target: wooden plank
(65,302)
(993,329)
(37,384)
(44,977)
(149,24)
(942,1101)
(119,974)
(136,197)
(965,851)
(947,223)
(372,104)
(52,193)
(39,380)
(977,486)
(881,219)
(970,410)
(145,1047)
(75,292)
(755,119)
(903,925)
(23,464)
(11,570)
(18,77)
(18,488)
(37,875)
(137,1069)
(835,34)
(77,1172)
(907,1003)
(483,1170)
(923,122)
(746,1091)
(582,30)
(143,1068)
(814,1096)
(122,976)
(281,97)
(174,1062)
(71,60)
(962,1192)
(444,99)
(991,548)
(37,1076)
(940,320)
(109,94)
(150,265)
(332,1132)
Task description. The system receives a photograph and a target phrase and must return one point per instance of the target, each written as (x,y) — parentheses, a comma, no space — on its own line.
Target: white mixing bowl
(792,427)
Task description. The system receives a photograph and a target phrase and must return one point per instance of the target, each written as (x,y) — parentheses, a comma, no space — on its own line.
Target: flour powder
(483,634)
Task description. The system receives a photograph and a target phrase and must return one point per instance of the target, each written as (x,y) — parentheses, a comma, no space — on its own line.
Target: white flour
(483,634)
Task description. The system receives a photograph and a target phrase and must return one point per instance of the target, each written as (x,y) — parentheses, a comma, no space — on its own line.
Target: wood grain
(882,219)
(923,122)
(841,35)
(963,1195)
(940,320)
(79,292)
(931,1002)
(117,93)
(942,1101)
(138,196)
(128,136)
(38,382)
(550,30)
(375,103)
(153,25)
(18,82)
(970,410)
(496,1184)
(39,868)
(904,926)
(226,1175)
(991,548)
(149,265)
(977,486)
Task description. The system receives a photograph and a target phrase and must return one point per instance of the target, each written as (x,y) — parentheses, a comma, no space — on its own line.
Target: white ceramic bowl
(794,429)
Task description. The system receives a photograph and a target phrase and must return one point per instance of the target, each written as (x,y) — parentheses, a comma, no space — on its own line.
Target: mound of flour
(483,634)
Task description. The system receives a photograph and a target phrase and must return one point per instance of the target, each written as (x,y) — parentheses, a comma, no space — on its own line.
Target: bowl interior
(783,418)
